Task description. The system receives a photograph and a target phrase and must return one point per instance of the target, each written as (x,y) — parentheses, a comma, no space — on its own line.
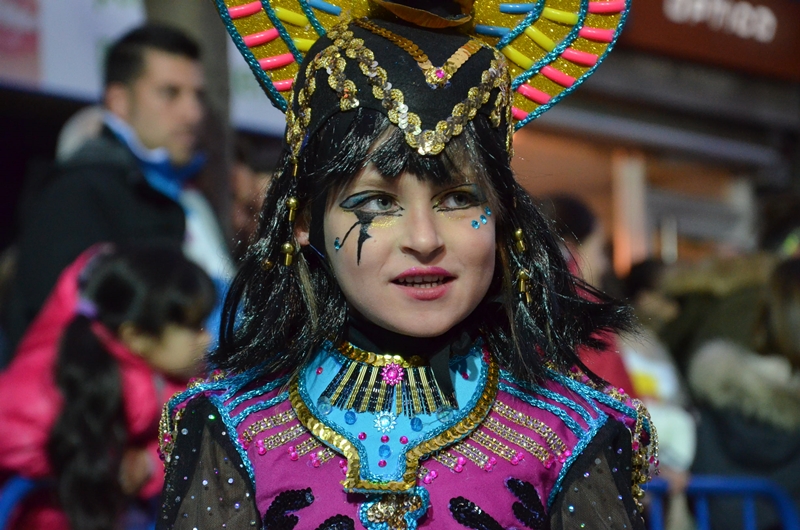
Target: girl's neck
(371,337)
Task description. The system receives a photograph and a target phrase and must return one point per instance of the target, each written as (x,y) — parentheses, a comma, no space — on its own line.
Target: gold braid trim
(353,480)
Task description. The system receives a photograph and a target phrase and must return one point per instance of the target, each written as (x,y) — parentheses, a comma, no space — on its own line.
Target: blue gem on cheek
(487,210)
(336,244)
(475,224)
(350,417)
(416,424)
(385,451)
(483,219)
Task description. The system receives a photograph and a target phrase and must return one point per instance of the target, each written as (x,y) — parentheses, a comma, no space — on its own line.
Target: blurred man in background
(124,185)
(255,159)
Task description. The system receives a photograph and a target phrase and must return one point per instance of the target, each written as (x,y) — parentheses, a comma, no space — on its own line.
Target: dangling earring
(288,248)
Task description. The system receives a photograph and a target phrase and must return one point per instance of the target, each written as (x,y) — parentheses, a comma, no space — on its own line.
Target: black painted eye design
(371,203)
(367,205)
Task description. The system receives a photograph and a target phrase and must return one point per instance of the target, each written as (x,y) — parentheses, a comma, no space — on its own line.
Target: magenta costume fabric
(243,451)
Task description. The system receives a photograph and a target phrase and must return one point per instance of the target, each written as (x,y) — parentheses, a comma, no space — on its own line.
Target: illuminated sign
(757,36)
(743,19)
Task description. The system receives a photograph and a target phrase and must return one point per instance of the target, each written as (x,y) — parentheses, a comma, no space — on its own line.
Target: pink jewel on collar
(392,374)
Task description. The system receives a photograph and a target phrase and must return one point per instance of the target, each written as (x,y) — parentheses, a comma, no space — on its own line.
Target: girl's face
(413,257)
(177,352)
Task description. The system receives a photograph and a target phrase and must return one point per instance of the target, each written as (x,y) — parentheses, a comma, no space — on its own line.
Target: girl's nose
(421,236)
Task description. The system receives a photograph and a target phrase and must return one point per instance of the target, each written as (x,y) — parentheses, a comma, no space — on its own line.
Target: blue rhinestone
(385,451)
(475,224)
(487,210)
(324,406)
(416,424)
(350,417)
(444,414)
(483,219)
(336,244)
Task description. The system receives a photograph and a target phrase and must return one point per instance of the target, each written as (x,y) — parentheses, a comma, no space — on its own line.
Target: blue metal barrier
(703,487)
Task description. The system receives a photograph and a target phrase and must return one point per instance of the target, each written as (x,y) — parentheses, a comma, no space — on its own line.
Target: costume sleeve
(596,492)
(207,485)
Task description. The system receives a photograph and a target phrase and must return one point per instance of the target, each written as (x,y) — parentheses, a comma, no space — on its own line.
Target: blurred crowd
(111,294)
(716,359)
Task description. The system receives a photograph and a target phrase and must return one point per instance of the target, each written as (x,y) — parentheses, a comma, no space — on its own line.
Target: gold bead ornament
(288,251)
(292,203)
(518,237)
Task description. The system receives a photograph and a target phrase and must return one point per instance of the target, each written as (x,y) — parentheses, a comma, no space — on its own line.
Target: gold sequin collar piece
(353,481)
(355,353)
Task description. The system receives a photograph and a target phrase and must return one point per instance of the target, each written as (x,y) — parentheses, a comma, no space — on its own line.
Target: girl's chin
(427,329)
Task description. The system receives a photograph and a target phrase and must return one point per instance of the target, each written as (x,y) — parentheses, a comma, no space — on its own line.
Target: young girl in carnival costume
(398,348)
(81,401)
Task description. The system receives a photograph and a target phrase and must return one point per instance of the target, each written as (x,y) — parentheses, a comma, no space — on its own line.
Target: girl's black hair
(150,287)
(275,315)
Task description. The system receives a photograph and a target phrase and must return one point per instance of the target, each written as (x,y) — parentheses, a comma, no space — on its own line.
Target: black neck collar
(371,337)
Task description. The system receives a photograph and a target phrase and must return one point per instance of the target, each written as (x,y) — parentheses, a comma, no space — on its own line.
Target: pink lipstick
(424,283)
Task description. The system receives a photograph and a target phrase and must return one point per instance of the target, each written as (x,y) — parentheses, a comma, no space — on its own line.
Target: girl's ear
(302,228)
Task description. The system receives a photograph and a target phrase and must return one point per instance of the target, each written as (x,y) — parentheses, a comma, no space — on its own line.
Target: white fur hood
(728,376)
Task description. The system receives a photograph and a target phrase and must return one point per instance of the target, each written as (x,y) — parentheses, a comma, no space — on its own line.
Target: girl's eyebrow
(465,186)
(372,180)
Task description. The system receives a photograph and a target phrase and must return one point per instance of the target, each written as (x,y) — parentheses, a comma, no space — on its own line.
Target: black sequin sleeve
(596,491)
(206,484)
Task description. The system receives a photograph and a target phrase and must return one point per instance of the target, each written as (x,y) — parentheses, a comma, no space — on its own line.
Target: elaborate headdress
(510,61)
(429,72)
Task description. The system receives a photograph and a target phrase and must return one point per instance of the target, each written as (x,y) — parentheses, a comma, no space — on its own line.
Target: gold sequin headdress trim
(333,60)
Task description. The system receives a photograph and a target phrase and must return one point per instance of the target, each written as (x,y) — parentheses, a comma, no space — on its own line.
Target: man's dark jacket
(98,195)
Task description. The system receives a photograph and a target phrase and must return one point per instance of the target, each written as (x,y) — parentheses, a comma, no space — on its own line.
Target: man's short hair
(125,58)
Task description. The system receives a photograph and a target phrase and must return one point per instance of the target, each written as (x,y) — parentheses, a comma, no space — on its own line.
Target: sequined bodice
(505,445)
